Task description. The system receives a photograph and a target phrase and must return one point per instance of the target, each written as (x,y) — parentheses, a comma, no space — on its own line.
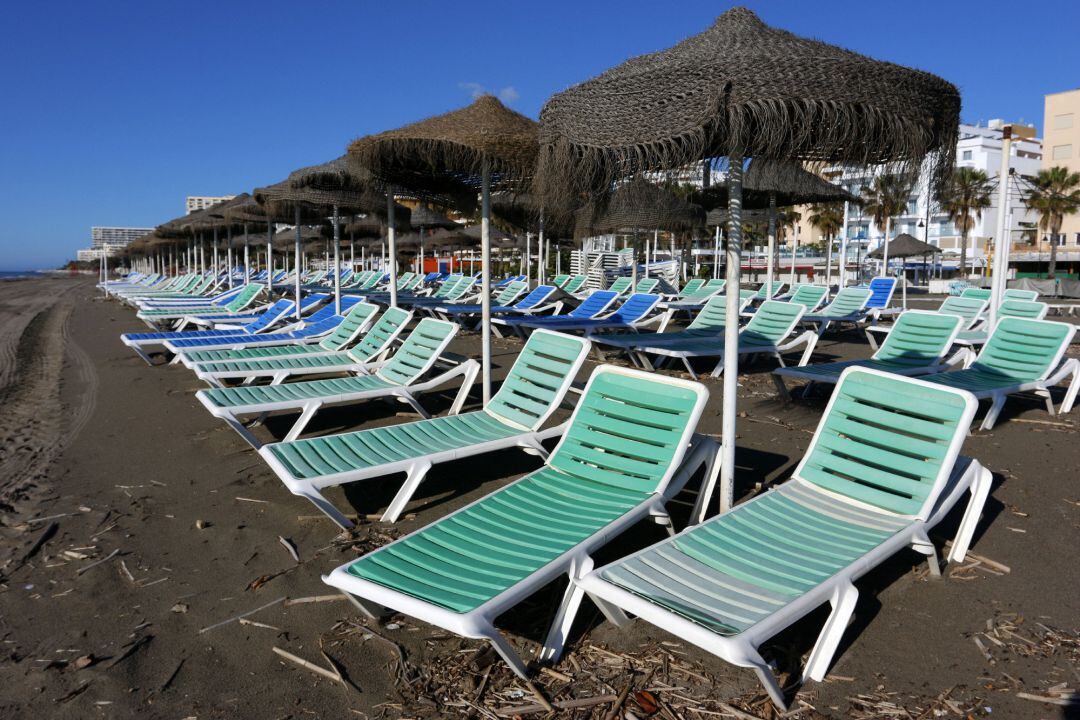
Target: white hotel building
(978,147)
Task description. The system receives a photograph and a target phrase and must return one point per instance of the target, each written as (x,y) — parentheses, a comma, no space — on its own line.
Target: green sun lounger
(917,345)
(1021,355)
(357,320)
(767,333)
(532,390)
(277,369)
(882,469)
(628,449)
(400,377)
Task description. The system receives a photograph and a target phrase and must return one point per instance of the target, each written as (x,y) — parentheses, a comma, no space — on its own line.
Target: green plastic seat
(977,293)
(620,446)
(412,359)
(355,319)
(238,303)
(1019,351)
(848,302)
(374,342)
(809,296)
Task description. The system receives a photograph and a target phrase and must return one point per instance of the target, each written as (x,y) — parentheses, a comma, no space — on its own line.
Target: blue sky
(112,112)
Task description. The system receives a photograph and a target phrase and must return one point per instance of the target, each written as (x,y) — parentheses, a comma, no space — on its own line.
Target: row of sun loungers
(882,469)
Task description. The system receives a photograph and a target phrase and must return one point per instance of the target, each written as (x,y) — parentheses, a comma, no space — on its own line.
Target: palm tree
(968,193)
(884,199)
(828,218)
(1054,194)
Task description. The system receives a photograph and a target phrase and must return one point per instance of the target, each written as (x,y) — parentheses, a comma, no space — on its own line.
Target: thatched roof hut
(903,246)
(743,86)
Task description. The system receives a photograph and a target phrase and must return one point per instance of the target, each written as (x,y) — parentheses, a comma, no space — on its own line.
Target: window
(1076,238)
(966,155)
(1062,152)
(1063,121)
(912,206)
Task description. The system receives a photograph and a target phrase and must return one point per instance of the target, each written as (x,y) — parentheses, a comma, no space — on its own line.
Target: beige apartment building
(1061,146)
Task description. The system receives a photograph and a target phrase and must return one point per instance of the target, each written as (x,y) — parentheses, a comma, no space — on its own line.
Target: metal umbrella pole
(769,268)
(247,257)
(844,248)
(297,250)
(215,252)
(1001,248)
(731,331)
(228,252)
(269,257)
(391,240)
(794,252)
(485,277)
(337,263)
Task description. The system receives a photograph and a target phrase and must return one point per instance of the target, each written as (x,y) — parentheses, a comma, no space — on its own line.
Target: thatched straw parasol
(483,146)
(743,89)
(742,85)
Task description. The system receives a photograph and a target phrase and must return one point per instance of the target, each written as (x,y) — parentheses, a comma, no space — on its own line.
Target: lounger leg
(843,604)
(238,426)
(466,385)
(416,475)
(531,446)
(980,490)
(407,398)
(142,353)
(564,619)
(613,613)
(660,517)
(507,653)
(1070,394)
(781,387)
(996,404)
(301,422)
(1045,394)
(921,544)
(708,485)
(811,344)
(318,500)
(367,609)
(765,674)
(872,339)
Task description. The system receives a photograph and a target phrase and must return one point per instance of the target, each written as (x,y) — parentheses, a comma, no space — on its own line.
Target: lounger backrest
(559,280)
(381,334)
(647,285)
(919,338)
(594,304)
(327,311)
(630,429)
(539,378)
(574,283)
(537,296)
(763,291)
(1023,309)
(692,286)
(1018,294)
(451,284)
(271,315)
(460,289)
(635,308)
(712,315)
(848,302)
(354,321)
(888,441)
(419,352)
(509,293)
(621,284)
(716,285)
(773,321)
(1025,350)
(246,295)
(809,295)
(977,293)
(967,308)
(881,291)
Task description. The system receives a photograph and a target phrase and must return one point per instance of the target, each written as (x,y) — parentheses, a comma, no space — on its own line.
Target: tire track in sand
(33,428)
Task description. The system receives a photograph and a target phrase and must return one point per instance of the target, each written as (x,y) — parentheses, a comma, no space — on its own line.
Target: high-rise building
(201,202)
(1061,140)
(979,147)
(110,240)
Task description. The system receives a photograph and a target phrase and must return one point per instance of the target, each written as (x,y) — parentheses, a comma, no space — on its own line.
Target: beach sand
(105,458)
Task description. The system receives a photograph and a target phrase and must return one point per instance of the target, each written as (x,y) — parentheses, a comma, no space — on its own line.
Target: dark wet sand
(129,461)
